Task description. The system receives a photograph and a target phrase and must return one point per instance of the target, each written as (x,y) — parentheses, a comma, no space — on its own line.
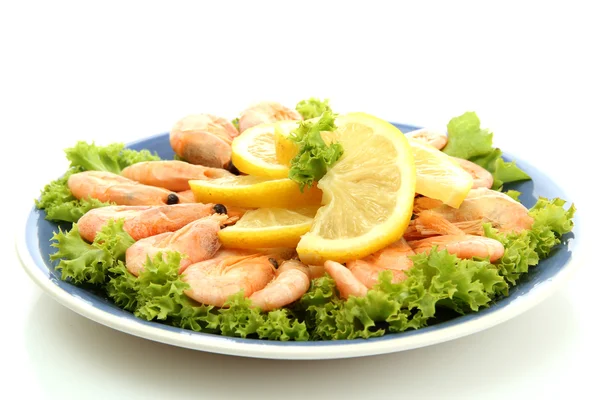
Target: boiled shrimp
(144,221)
(429,137)
(481,176)
(290,283)
(266,112)
(483,205)
(229,271)
(454,240)
(187,196)
(463,246)
(113,188)
(171,174)
(346,283)
(394,258)
(203,139)
(196,241)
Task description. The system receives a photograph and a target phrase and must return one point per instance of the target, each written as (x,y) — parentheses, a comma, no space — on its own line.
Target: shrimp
(394,258)
(463,246)
(203,139)
(485,205)
(109,187)
(290,283)
(229,271)
(196,241)
(266,112)
(346,283)
(171,174)
(144,221)
(430,137)
(454,240)
(481,176)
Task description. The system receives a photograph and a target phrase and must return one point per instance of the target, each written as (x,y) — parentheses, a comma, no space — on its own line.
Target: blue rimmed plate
(33,246)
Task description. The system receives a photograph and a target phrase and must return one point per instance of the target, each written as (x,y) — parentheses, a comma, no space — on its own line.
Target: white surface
(124,70)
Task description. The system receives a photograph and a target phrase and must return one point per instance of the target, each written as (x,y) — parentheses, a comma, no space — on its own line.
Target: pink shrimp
(483,205)
(114,188)
(463,246)
(430,137)
(229,271)
(203,139)
(187,196)
(144,221)
(171,174)
(346,283)
(290,283)
(454,240)
(266,112)
(481,176)
(394,258)
(196,241)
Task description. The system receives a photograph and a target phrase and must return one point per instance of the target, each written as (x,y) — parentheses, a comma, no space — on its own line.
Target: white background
(121,70)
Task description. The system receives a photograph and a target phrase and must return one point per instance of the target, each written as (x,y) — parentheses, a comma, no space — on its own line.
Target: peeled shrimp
(290,283)
(266,112)
(196,241)
(463,246)
(203,139)
(483,205)
(394,258)
(432,138)
(229,271)
(144,221)
(481,176)
(171,174)
(346,283)
(109,187)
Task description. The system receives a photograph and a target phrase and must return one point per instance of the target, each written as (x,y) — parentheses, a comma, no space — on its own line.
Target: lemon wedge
(268,228)
(438,175)
(367,195)
(254,192)
(253,151)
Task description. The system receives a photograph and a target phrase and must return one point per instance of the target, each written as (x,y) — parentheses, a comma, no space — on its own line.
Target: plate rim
(268,350)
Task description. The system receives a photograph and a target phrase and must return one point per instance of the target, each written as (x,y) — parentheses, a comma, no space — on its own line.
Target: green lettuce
(81,262)
(111,158)
(440,285)
(56,198)
(314,155)
(466,139)
(313,107)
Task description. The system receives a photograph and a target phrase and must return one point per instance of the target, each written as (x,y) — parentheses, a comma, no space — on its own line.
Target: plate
(33,247)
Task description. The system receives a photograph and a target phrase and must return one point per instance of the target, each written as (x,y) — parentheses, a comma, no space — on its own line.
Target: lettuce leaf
(111,158)
(439,285)
(313,107)
(467,140)
(314,156)
(525,249)
(81,262)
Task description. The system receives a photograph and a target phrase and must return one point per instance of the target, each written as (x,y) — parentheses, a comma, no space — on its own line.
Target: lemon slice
(253,151)
(268,228)
(254,192)
(368,194)
(439,176)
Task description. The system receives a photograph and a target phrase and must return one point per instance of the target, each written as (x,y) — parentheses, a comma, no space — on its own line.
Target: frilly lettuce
(438,285)
(467,140)
(313,107)
(314,155)
(81,262)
